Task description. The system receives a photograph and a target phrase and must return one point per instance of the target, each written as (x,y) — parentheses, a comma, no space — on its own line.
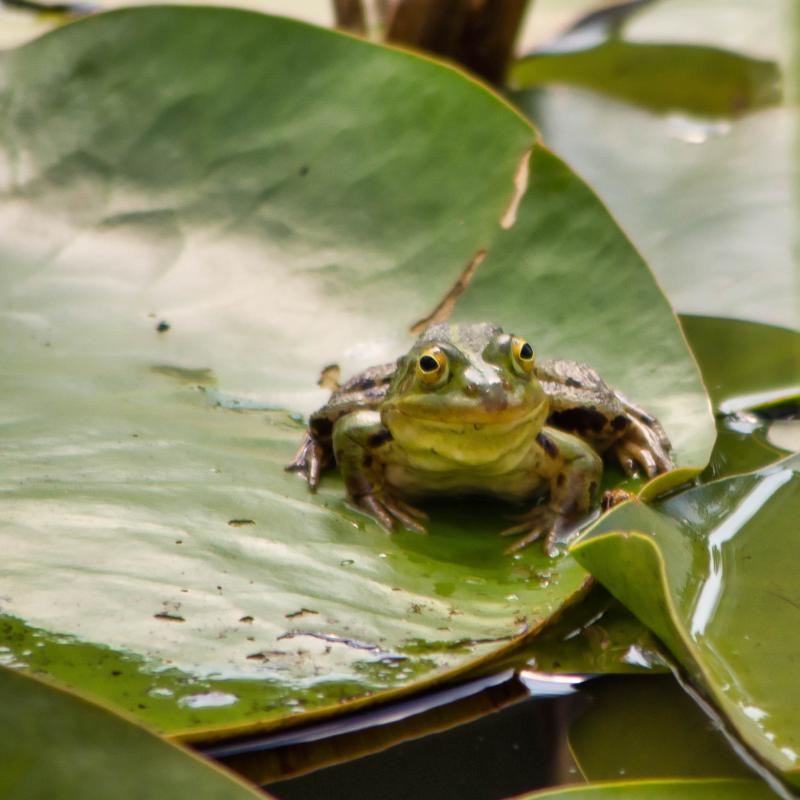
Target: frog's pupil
(428,364)
(526,352)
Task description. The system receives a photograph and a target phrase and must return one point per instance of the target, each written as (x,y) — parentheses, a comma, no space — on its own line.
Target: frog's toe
(370,505)
(405,514)
(643,447)
(308,460)
(386,509)
(538,522)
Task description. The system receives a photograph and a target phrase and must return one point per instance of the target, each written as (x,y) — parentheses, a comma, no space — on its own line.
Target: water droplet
(511,598)
(161,691)
(695,131)
(208,700)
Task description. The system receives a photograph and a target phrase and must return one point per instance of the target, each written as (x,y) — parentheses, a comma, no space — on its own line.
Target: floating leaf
(745,365)
(187,246)
(713,571)
(57,744)
(709,200)
(660,77)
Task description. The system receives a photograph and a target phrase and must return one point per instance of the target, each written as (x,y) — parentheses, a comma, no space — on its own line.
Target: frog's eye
(432,366)
(522,355)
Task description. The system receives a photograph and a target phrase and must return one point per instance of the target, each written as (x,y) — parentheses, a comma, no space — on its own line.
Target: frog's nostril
(494,398)
(471,390)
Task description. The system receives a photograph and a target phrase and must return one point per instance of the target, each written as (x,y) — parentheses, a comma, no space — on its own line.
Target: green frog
(469,410)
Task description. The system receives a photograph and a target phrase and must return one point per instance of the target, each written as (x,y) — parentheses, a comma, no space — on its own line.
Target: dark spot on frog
(165,615)
(367,461)
(561,479)
(379,437)
(572,382)
(547,444)
(578,419)
(248,619)
(620,422)
(303,171)
(163,326)
(116,673)
(239,523)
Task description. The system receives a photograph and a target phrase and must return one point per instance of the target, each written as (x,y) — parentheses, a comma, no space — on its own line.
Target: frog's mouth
(485,414)
(472,439)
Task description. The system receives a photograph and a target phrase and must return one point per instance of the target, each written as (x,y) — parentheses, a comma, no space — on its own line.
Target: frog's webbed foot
(538,522)
(384,508)
(310,459)
(644,445)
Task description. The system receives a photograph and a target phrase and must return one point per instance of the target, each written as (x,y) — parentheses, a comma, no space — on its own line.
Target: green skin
(486,421)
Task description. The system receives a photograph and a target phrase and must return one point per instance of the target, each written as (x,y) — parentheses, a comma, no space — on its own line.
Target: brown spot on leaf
(445,308)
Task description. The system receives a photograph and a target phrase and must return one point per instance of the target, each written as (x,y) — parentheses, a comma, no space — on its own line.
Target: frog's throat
(439,445)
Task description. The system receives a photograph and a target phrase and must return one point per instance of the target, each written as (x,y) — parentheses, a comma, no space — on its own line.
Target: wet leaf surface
(713,571)
(186,246)
(57,744)
(745,365)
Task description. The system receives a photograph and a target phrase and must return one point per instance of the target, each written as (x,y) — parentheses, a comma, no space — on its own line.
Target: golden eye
(431,366)
(522,354)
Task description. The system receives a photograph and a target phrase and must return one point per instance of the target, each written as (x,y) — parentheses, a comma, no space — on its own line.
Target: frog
(470,410)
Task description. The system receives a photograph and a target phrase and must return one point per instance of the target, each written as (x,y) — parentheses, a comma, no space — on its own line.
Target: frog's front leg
(358,442)
(644,442)
(573,470)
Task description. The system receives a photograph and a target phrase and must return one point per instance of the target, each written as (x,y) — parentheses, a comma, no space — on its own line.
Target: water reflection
(495,737)
(745,510)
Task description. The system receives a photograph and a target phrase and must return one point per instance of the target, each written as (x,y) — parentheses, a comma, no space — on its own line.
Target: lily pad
(709,199)
(713,572)
(697,789)
(660,77)
(188,243)
(57,744)
(745,365)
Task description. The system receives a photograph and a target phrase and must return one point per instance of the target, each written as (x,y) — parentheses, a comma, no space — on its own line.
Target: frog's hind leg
(574,471)
(359,440)
(644,444)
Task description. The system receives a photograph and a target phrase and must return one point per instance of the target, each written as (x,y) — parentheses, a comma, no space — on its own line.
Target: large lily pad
(188,240)
(710,200)
(713,571)
(56,744)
